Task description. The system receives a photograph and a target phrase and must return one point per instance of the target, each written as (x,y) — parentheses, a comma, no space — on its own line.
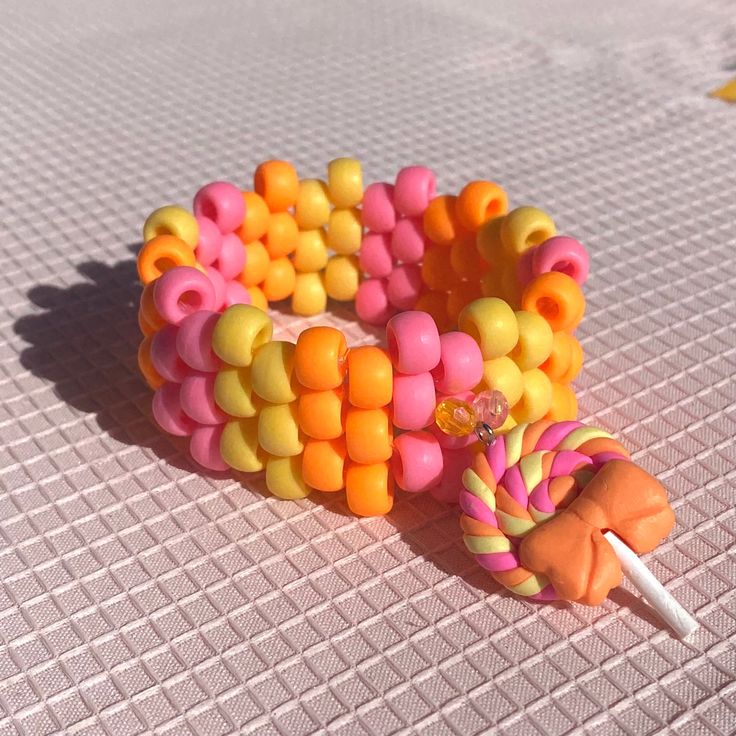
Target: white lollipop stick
(655,593)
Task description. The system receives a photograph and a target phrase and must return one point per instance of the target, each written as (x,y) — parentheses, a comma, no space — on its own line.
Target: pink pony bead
(564,254)
(222,203)
(413,342)
(404,286)
(236,293)
(461,363)
(450,441)
(379,214)
(197,399)
(204,447)
(417,461)
(375,255)
(454,464)
(165,356)
(181,291)
(414,400)
(407,240)
(415,187)
(371,302)
(209,243)
(218,287)
(231,260)
(194,341)
(168,413)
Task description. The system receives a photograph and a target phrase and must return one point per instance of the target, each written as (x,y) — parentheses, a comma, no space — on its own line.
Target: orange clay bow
(570,549)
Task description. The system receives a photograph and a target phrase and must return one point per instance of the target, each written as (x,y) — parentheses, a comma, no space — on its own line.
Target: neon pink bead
(407,240)
(218,286)
(413,342)
(165,356)
(181,291)
(231,261)
(454,463)
(414,400)
(415,187)
(404,286)
(204,447)
(194,341)
(209,243)
(197,399)
(236,293)
(461,363)
(379,214)
(564,254)
(371,302)
(375,255)
(168,413)
(417,461)
(449,441)
(222,203)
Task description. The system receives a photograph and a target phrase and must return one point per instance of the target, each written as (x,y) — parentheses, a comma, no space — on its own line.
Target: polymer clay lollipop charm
(559,511)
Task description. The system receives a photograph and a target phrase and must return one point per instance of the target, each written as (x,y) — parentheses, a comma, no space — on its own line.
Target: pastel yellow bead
(240,330)
(312,204)
(172,220)
(536,399)
(503,375)
(278,430)
(507,426)
(258,298)
(535,341)
(284,478)
(239,446)
(492,324)
(488,241)
(344,231)
(309,297)
(234,392)
(311,250)
(525,227)
(342,278)
(271,372)
(345,182)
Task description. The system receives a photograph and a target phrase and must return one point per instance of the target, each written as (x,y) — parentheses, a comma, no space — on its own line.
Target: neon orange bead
(565,359)
(282,235)
(556,297)
(322,413)
(153,379)
(148,309)
(277,182)
(435,304)
(162,253)
(320,358)
(564,404)
(370,377)
(437,270)
(256,218)
(258,298)
(256,264)
(323,464)
(576,361)
(441,225)
(369,489)
(368,435)
(144,325)
(480,201)
(464,293)
(465,259)
(280,280)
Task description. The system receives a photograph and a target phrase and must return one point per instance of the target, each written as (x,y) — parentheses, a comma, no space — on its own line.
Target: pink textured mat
(140,596)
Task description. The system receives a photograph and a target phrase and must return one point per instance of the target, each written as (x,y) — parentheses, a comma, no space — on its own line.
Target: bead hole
(565,267)
(548,308)
(207,209)
(164,264)
(393,347)
(537,237)
(190,301)
(493,209)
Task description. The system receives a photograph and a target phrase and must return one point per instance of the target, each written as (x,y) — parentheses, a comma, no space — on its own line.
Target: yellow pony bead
(525,227)
(239,446)
(312,204)
(311,250)
(234,392)
(278,430)
(256,264)
(535,341)
(564,404)
(258,298)
(239,332)
(284,478)
(503,375)
(271,372)
(172,220)
(342,278)
(507,426)
(309,297)
(488,241)
(536,398)
(492,324)
(344,231)
(345,182)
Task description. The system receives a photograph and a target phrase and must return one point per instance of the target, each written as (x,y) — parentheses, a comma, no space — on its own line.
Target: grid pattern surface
(139,595)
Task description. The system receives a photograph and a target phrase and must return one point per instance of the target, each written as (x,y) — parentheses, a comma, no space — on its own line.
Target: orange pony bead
(436,305)
(370,377)
(323,464)
(280,280)
(465,259)
(255,222)
(556,297)
(565,360)
(256,264)
(321,414)
(564,404)
(369,435)
(320,358)
(277,182)
(437,272)
(282,235)
(480,201)
(144,325)
(369,489)
(441,224)
(148,309)
(153,379)
(162,253)
(464,293)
